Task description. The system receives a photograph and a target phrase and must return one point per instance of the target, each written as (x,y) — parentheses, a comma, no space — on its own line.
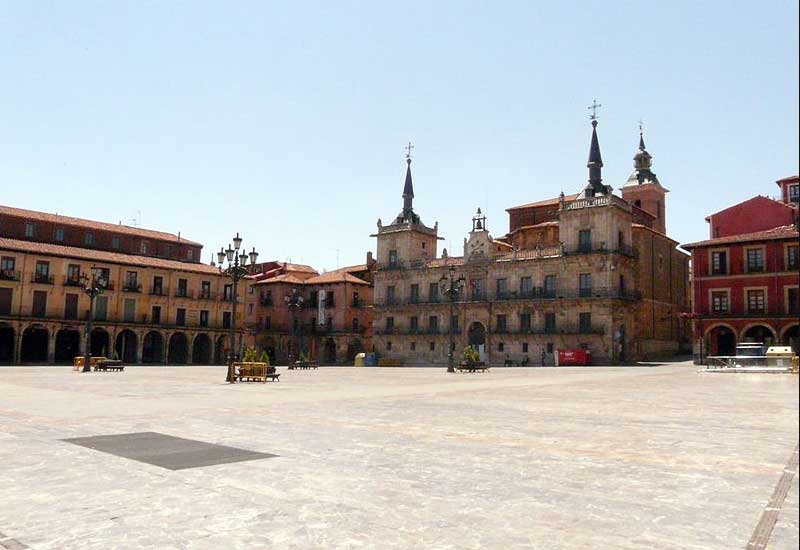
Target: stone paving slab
(544,458)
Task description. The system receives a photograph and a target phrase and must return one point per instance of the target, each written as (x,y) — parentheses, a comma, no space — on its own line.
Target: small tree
(250,355)
(265,358)
(470,355)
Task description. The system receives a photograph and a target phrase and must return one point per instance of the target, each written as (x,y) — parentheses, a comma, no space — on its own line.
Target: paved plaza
(652,457)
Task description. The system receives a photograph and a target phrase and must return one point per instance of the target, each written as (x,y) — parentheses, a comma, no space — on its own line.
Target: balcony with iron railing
(206,295)
(554,330)
(9,275)
(183,293)
(42,278)
(600,248)
(159,291)
(72,281)
(420,331)
(536,293)
(131,286)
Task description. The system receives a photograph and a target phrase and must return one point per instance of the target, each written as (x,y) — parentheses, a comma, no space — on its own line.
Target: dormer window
(794,193)
(59,234)
(115,243)
(30,229)
(143,247)
(88,239)
(189,254)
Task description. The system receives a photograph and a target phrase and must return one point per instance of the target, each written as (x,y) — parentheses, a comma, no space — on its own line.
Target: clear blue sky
(287,122)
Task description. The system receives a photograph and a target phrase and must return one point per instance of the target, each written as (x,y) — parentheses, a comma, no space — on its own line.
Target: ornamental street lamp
(235,271)
(294,302)
(451,287)
(93,287)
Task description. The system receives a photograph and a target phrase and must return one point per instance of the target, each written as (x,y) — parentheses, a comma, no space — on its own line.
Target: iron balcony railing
(9,275)
(131,287)
(72,281)
(537,293)
(206,295)
(159,291)
(42,278)
(600,248)
(408,331)
(183,293)
(556,330)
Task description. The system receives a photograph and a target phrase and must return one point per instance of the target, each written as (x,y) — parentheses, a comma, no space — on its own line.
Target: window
(388,346)
(549,347)
(158,286)
(30,229)
(719,302)
(42,274)
(329,301)
(226,319)
(356,300)
(71,306)
(584,240)
(719,263)
(390,295)
(190,254)
(620,239)
(794,193)
(501,347)
(413,324)
(88,239)
(8,266)
(524,321)
(585,285)
(115,243)
(143,247)
(131,281)
(73,274)
(433,292)
(101,308)
(433,323)
(180,317)
(129,310)
(502,288)
(549,322)
(356,327)
(755,260)
(414,293)
(585,323)
(393,258)
(227,293)
(156,314)
(267,322)
(526,286)
(756,301)
(205,289)
(454,323)
(432,346)
(501,324)
(167,251)
(59,234)
(203,318)
(792,300)
(478,286)
(183,288)
(549,286)
(525,347)
(792,259)
(105,274)
(389,325)
(413,346)
(39,307)
(249,309)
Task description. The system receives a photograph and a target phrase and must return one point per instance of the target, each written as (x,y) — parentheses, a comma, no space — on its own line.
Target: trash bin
(360,359)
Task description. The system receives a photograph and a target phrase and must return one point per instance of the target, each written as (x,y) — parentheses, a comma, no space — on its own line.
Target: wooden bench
(303,365)
(473,367)
(255,372)
(77,362)
(109,365)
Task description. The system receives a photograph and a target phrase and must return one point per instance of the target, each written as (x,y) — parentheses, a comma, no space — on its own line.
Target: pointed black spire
(408,189)
(641,140)
(595,163)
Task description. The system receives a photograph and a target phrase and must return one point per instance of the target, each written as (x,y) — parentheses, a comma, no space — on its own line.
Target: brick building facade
(746,276)
(589,270)
(161,305)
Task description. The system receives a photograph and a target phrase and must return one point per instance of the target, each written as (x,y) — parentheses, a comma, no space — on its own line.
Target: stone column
(189,347)
(165,354)
(51,345)
(140,348)
(18,345)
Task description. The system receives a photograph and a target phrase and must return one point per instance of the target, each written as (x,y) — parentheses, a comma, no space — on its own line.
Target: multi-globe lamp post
(93,286)
(451,286)
(235,271)
(294,302)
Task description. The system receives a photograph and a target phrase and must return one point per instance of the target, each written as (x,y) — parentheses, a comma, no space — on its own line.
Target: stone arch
(220,351)
(7,340)
(476,334)
(68,345)
(178,349)
(790,336)
(354,348)
(758,332)
(35,344)
(101,346)
(153,347)
(720,340)
(126,346)
(201,350)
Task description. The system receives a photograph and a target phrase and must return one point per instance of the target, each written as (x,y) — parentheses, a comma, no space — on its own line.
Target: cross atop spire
(641,135)
(408,149)
(593,108)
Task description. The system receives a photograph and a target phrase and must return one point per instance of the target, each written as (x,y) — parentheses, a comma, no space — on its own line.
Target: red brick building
(745,277)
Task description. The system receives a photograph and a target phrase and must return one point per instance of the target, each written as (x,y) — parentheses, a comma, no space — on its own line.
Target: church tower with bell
(643,189)
(407,241)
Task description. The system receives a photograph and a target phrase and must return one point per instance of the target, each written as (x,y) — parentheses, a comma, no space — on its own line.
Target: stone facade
(590,270)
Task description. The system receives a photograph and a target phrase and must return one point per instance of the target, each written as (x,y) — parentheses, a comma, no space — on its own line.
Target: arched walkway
(330,351)
(219,351)
(721,340)
(791,337)
(6,344)
(759,333)
(201,350)
(153,348)
(35,341)
(178,350)
(100,343)
(126,346)
(68,345)
(354,348)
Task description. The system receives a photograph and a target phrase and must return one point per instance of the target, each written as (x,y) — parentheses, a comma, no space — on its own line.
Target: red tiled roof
(299,268)
(352,268)
(548,202)
(89,224)
(776,233)
(335,277)
(285,278)
(790,178)
(102,256)
(542,224)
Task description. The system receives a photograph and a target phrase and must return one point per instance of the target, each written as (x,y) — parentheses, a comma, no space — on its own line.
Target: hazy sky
(287,121)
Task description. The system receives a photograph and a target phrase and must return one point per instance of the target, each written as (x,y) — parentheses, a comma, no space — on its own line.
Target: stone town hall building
(591,270)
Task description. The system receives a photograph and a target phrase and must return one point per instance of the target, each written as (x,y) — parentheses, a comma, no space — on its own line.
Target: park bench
(303,365)
(109,365)
(472,367)
(77,363)
(255,372)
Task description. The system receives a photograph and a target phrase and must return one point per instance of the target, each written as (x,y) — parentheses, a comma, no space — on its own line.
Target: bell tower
(643,189)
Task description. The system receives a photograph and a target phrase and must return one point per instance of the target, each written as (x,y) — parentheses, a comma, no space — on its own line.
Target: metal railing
(42,278)
(72,281)
(600,248)
(131,287)
(537,293)
(9,275)
(159,291)
(556,330)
